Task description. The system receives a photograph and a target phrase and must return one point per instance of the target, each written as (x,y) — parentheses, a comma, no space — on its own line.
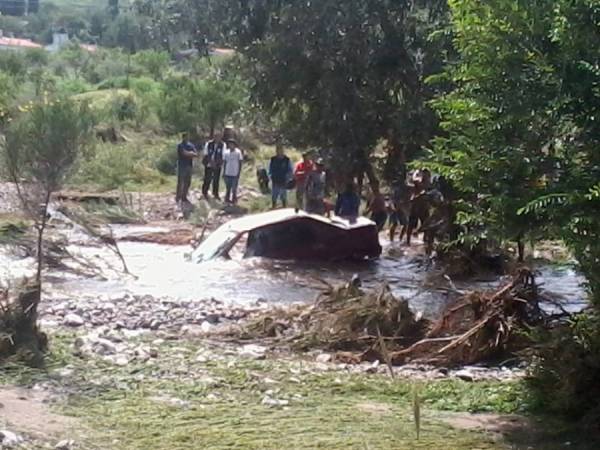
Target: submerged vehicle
(287,234)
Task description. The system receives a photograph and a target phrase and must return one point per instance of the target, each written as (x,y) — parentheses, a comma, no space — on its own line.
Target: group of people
(220,156)
(413,202)
(307,177)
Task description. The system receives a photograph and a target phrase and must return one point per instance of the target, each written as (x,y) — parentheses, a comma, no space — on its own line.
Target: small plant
(39,152)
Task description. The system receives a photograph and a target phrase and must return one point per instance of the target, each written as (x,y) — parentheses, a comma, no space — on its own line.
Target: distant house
(10,43)
(61,38)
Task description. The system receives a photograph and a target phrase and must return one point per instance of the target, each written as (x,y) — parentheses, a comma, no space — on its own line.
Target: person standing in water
(348,203)
(377,207)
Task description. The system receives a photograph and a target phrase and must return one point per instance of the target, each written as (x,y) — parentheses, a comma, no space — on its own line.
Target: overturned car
(287,234)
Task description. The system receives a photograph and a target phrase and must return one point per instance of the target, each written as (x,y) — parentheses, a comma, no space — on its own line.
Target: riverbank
(113,389)
(134,363)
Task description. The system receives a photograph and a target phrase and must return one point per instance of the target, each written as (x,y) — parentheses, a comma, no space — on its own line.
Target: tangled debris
(19,332)
(361,326)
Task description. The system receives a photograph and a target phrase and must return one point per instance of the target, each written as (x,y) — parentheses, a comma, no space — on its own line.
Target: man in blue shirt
(348,203)
(281,172)
(186,152)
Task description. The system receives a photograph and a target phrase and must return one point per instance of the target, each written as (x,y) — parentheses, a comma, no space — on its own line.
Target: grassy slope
(122,408)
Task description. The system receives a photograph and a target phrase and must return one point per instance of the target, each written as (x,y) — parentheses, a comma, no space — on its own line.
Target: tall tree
(113,8)
(343,74)
(40,148)
(519,127)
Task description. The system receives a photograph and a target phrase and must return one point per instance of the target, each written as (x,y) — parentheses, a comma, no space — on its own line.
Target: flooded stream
(164,272)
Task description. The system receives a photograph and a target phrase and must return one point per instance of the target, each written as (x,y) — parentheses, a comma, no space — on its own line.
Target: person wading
(301,172)
(213,162)
(348,203)
(280,172)
(232,160)
(314,189)
(377,207)
(186,152)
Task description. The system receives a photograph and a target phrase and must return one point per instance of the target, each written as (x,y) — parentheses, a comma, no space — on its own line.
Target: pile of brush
(19,332)
(479,326)
(362,326)
(341,319)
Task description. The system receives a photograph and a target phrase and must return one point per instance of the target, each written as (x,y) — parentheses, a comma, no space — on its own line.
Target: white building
(59,40)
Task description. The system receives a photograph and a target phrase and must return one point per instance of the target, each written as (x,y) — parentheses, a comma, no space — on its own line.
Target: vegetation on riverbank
(196,394)
(500,98)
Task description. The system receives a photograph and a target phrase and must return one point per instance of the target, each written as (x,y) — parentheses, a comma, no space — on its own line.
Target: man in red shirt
(303,168)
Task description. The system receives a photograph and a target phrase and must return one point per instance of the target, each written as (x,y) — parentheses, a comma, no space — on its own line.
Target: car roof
(254,221)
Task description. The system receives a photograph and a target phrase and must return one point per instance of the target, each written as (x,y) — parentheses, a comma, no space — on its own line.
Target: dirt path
(27,412)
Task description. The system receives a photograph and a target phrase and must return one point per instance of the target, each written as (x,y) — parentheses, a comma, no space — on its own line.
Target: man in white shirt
(232,168)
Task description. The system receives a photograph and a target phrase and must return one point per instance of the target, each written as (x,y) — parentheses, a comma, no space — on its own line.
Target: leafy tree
(343,74)
(7,95)
(39,151)
(12,7)
(521,146)
(113,8)
(188,104)
(153,62)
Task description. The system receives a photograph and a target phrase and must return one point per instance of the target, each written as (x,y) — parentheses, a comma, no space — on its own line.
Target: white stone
(324,358)
(10,439)
(66,444)
(73,320)
(206,327)
(465,375)
(253,351)
(268,401)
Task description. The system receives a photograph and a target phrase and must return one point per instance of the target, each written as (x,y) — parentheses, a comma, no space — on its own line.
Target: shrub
(567,368)
(167,161)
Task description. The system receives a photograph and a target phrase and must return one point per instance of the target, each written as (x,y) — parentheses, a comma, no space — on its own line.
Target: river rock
(253,351)
(10,439)
(465,375)
(268,401)
(66,444)
(324,358)
(206,327)
(104,346)
(73,320)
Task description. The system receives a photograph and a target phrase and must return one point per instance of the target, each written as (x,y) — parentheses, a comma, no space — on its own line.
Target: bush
(567,368)
(72,86)
(128,165)
(167,161)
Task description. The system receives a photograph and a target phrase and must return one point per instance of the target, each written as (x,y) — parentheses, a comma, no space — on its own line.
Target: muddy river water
(164,272)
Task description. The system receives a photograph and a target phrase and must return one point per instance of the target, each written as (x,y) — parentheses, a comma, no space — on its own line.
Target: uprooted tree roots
(362,326)
(19,333)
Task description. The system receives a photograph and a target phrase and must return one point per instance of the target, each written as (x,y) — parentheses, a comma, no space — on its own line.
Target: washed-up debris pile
(376,325)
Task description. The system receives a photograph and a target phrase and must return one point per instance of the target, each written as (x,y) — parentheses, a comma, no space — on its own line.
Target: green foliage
(167,161)
(344,74)
(7,94)
(43,143)
(127,165)
(155,63)
(567,369)
(13,64)
(521,146)
(187,103)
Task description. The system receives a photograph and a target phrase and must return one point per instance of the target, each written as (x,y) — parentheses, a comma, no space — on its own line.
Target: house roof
(14,42)
(89,47)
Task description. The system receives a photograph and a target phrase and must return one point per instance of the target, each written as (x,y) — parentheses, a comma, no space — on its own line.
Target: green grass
(121,407)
